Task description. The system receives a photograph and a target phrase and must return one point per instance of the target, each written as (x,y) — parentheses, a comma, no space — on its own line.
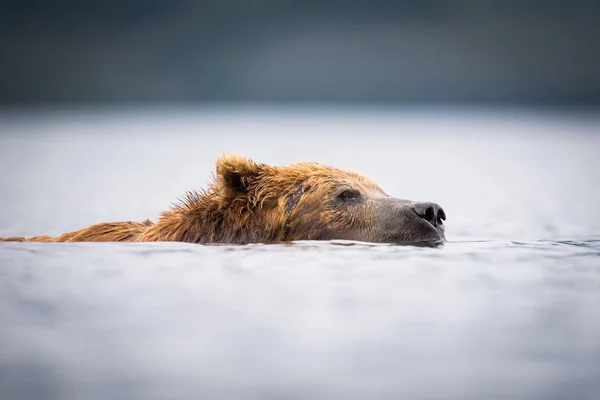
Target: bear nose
(430,212)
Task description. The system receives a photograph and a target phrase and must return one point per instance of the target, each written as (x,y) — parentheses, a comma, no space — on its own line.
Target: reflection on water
(480,319)
(507,308)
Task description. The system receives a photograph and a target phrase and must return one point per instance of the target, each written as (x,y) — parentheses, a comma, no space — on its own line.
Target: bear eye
(349,194)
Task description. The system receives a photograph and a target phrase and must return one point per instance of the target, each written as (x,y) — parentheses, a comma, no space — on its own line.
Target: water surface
(508,308)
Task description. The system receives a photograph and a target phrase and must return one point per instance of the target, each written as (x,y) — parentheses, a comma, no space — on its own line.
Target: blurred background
(475,52)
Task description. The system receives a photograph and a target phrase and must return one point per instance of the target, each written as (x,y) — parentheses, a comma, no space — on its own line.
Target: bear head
(249,202)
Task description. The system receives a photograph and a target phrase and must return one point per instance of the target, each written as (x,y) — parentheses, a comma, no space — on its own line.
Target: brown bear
(258,203)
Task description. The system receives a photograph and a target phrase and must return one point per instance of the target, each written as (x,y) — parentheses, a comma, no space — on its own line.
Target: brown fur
(248,202)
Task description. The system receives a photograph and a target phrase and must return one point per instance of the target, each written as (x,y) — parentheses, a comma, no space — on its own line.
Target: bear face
(250,203)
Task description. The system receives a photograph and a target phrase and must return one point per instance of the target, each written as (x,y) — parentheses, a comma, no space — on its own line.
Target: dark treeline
(535,52)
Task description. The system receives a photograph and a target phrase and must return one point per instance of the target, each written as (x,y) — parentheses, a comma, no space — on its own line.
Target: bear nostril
(441,214)
(429,212)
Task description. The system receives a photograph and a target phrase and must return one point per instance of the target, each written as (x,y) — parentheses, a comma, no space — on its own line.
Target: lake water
(509,308)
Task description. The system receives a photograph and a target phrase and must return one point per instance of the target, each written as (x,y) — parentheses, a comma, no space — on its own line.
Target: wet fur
(246,203)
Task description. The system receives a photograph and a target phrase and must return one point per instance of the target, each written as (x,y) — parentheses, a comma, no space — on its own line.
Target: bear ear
(236,173)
